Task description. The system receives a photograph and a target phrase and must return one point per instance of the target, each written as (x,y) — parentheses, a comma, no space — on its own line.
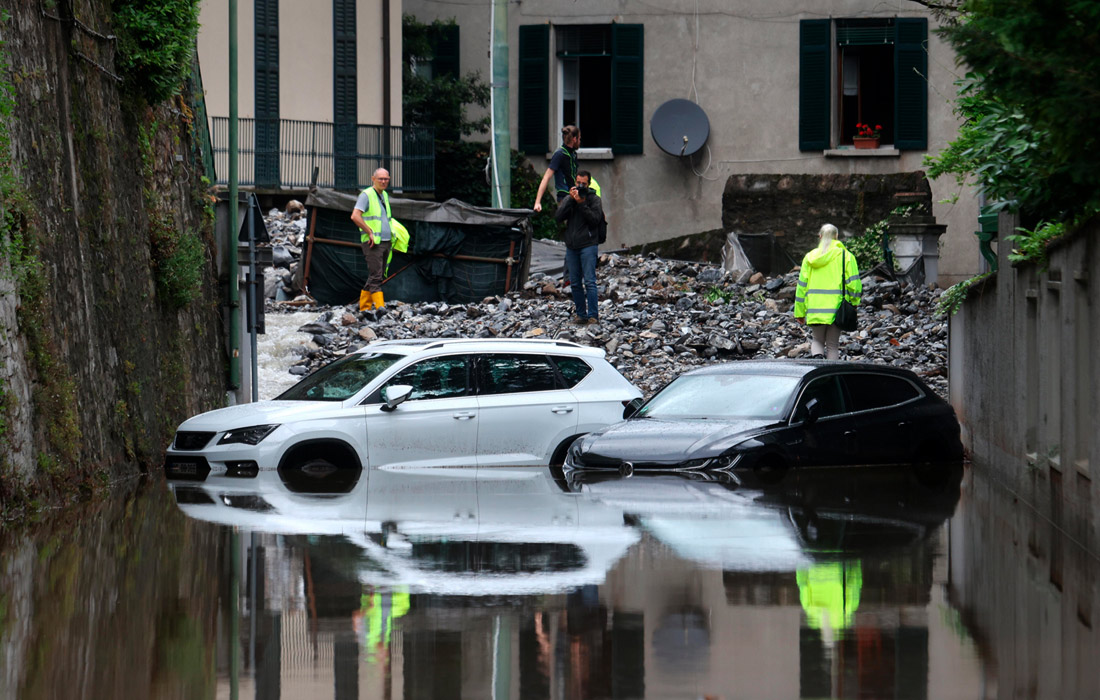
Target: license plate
(185,468)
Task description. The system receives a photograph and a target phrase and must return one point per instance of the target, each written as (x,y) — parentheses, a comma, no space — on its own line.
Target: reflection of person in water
(380,609)
(829,593)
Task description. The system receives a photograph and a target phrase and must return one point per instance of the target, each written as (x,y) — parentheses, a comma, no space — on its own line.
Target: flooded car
(772,415)
(449,402)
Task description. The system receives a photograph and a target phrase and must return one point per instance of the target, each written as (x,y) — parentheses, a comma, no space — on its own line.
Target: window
(573,369)
(868,391)
(600,81)
(341,379)
(437,378)
(726,396)
(510,374)
(829,399)
(863,70)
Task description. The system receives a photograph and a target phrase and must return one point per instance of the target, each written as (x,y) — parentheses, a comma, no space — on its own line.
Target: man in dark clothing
(563,166)
(582,211)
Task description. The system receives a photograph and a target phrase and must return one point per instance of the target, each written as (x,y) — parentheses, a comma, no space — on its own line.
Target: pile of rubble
(658,318)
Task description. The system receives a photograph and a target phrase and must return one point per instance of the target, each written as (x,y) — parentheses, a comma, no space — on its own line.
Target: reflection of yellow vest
(381,610)
(830,593)
(372,217)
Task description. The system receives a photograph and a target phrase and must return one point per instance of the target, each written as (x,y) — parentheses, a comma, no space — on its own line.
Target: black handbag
(846,313)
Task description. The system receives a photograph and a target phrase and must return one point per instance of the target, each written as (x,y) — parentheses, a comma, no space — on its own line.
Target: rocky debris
(287,230)
(658,318)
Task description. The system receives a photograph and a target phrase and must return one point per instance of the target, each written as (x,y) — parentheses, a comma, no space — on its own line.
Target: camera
(582,190)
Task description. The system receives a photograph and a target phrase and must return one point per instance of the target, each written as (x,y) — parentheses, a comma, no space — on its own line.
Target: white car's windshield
(722,396)
(339,380)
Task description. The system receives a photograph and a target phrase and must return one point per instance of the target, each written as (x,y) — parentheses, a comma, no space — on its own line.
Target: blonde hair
(826,235)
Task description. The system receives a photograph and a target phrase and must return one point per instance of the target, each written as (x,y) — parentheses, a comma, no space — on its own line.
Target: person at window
(826,270)
(380,234)
(563,166)
(582,213)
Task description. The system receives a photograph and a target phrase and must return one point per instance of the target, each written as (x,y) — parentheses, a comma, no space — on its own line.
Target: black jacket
(582,220)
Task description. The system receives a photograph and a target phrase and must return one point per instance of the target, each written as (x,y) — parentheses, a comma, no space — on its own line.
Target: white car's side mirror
(393,395)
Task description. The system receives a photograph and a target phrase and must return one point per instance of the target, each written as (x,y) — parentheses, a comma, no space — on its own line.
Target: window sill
(853,152)
(591,154)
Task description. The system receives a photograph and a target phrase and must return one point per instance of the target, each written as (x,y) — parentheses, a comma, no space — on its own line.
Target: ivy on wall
(156,41)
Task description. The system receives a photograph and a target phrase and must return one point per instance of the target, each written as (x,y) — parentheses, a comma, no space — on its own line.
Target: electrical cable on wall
(695,92)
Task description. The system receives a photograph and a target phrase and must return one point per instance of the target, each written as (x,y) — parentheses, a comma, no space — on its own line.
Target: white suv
(409,403)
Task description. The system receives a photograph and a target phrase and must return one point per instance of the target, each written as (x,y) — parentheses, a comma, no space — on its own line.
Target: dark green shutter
(267,93)
(445,60)
(911,84)
(534,89)
(345,96)
(815,70)
(627,81)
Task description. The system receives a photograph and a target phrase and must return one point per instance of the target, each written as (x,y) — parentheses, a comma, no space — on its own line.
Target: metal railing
(276,153)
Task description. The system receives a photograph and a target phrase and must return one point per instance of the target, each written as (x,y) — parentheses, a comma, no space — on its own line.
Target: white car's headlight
(251,435)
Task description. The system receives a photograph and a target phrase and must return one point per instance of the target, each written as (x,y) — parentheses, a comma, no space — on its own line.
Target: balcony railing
(275,153)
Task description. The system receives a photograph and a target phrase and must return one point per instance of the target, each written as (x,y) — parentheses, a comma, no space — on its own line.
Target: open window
(871,71)
(599,76)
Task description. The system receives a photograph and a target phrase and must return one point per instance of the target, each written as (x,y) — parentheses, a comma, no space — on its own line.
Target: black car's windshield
(722,396)
(341,379)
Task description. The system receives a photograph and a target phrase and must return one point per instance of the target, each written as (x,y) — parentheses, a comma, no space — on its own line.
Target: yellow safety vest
(372,217)
(820,280)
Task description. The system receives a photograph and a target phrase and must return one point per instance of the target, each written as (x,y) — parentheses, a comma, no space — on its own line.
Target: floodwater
(527,583)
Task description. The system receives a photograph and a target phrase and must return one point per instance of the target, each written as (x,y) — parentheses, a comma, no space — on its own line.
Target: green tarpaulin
(458,253)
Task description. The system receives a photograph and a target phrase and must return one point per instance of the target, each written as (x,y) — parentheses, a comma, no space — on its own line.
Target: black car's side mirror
(813,411)
(394,395)
(631,408)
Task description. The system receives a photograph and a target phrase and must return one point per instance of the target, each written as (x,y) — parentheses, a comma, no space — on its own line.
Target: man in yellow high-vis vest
(379,233)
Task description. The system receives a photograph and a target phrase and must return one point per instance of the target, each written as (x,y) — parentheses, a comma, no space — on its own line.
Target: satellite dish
(680,127)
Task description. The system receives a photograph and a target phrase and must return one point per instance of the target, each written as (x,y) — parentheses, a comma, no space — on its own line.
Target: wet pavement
(528,583)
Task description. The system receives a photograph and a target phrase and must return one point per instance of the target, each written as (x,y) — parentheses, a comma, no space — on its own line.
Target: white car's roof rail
(434,343)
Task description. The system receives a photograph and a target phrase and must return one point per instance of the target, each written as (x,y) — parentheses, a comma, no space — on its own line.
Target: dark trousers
(376,264)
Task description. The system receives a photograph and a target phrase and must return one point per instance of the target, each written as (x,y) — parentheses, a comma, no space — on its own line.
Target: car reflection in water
(430,563)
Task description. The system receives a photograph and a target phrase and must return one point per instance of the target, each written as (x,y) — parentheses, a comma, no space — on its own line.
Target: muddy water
(523,583)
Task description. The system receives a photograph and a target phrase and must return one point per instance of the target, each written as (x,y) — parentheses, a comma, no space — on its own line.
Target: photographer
(582,211)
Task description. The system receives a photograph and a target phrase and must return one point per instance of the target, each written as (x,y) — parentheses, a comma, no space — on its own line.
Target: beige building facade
(746,65)
(319,85)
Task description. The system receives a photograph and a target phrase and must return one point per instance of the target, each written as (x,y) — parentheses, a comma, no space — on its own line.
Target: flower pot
(865,141)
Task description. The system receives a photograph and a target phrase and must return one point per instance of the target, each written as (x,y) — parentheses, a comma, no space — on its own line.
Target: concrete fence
(1025,378)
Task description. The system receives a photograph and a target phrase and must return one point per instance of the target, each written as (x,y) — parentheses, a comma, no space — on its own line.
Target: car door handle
(562,409)
(464,415)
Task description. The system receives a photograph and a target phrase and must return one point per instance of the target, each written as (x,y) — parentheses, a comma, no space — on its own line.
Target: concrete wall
(305,59)
(746,71)
(1025,379)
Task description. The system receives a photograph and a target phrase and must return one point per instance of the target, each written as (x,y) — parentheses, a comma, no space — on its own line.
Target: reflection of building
(497,585)
(1026,590)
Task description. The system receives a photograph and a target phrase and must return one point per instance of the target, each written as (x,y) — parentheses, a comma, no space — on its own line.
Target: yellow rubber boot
(379,301)
(365,301)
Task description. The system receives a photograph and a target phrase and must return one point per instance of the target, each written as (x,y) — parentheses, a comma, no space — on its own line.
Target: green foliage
(156,42)
(1031,245)
(438,101)
(952,297)
(867,247)
(460,171)
(179,258)
(1011,159)
(1031,105)
(717,295)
